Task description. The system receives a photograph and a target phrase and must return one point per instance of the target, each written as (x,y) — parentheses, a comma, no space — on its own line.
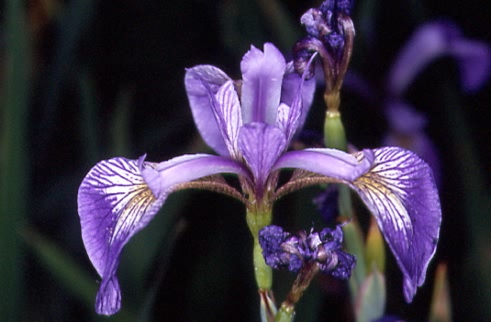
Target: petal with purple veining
(292,82)
(228,113)
(119,197)
(400,192)
(201,82)
(261,145)
(113,199)
(331,163)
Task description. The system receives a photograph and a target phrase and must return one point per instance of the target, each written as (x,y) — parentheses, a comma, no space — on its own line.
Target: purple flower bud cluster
(283,250)
(323,23)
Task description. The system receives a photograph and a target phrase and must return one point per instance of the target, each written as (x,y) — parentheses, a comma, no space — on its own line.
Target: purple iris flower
(250,124)
(282,250)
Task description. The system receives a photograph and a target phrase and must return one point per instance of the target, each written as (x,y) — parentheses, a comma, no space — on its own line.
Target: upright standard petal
(289,90)
(200,81)
(226,107)
(290,115)
(400,192)
(261,145)
(262,74)
(113,200)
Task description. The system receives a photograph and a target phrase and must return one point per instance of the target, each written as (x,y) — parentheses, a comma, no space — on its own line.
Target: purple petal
(291,83)
(427,43)
(119,197)
(474,61)
(188,168)
(331,163)
(400,192)
(113,202)
(261,145)
(229,117)
(432,41)
(199,100)
(108,299)
(262,74)
(344,268)
(290,114)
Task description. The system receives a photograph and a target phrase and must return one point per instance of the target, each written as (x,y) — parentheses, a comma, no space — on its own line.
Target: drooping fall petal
(119,197)
(112,201)
(400,192)
(398,188)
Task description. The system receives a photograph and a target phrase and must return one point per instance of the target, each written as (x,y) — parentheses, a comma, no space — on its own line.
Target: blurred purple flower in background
(434,40)
(429,42)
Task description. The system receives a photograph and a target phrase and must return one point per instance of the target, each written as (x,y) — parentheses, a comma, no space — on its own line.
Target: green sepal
(285,315)
(334,134)
(374,248)
(370,302)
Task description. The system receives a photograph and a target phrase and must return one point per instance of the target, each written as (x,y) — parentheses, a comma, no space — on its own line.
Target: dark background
(105,78)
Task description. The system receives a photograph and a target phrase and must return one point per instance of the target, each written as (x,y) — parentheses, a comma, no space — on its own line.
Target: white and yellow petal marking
(384,189)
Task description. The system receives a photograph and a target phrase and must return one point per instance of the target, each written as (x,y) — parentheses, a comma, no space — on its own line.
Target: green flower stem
(264,273)
(257,218)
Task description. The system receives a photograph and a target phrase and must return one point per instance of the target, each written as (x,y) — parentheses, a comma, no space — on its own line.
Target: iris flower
(250,124)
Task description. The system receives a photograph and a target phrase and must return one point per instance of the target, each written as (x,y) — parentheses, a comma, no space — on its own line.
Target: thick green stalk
(334,134)
(257,218)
